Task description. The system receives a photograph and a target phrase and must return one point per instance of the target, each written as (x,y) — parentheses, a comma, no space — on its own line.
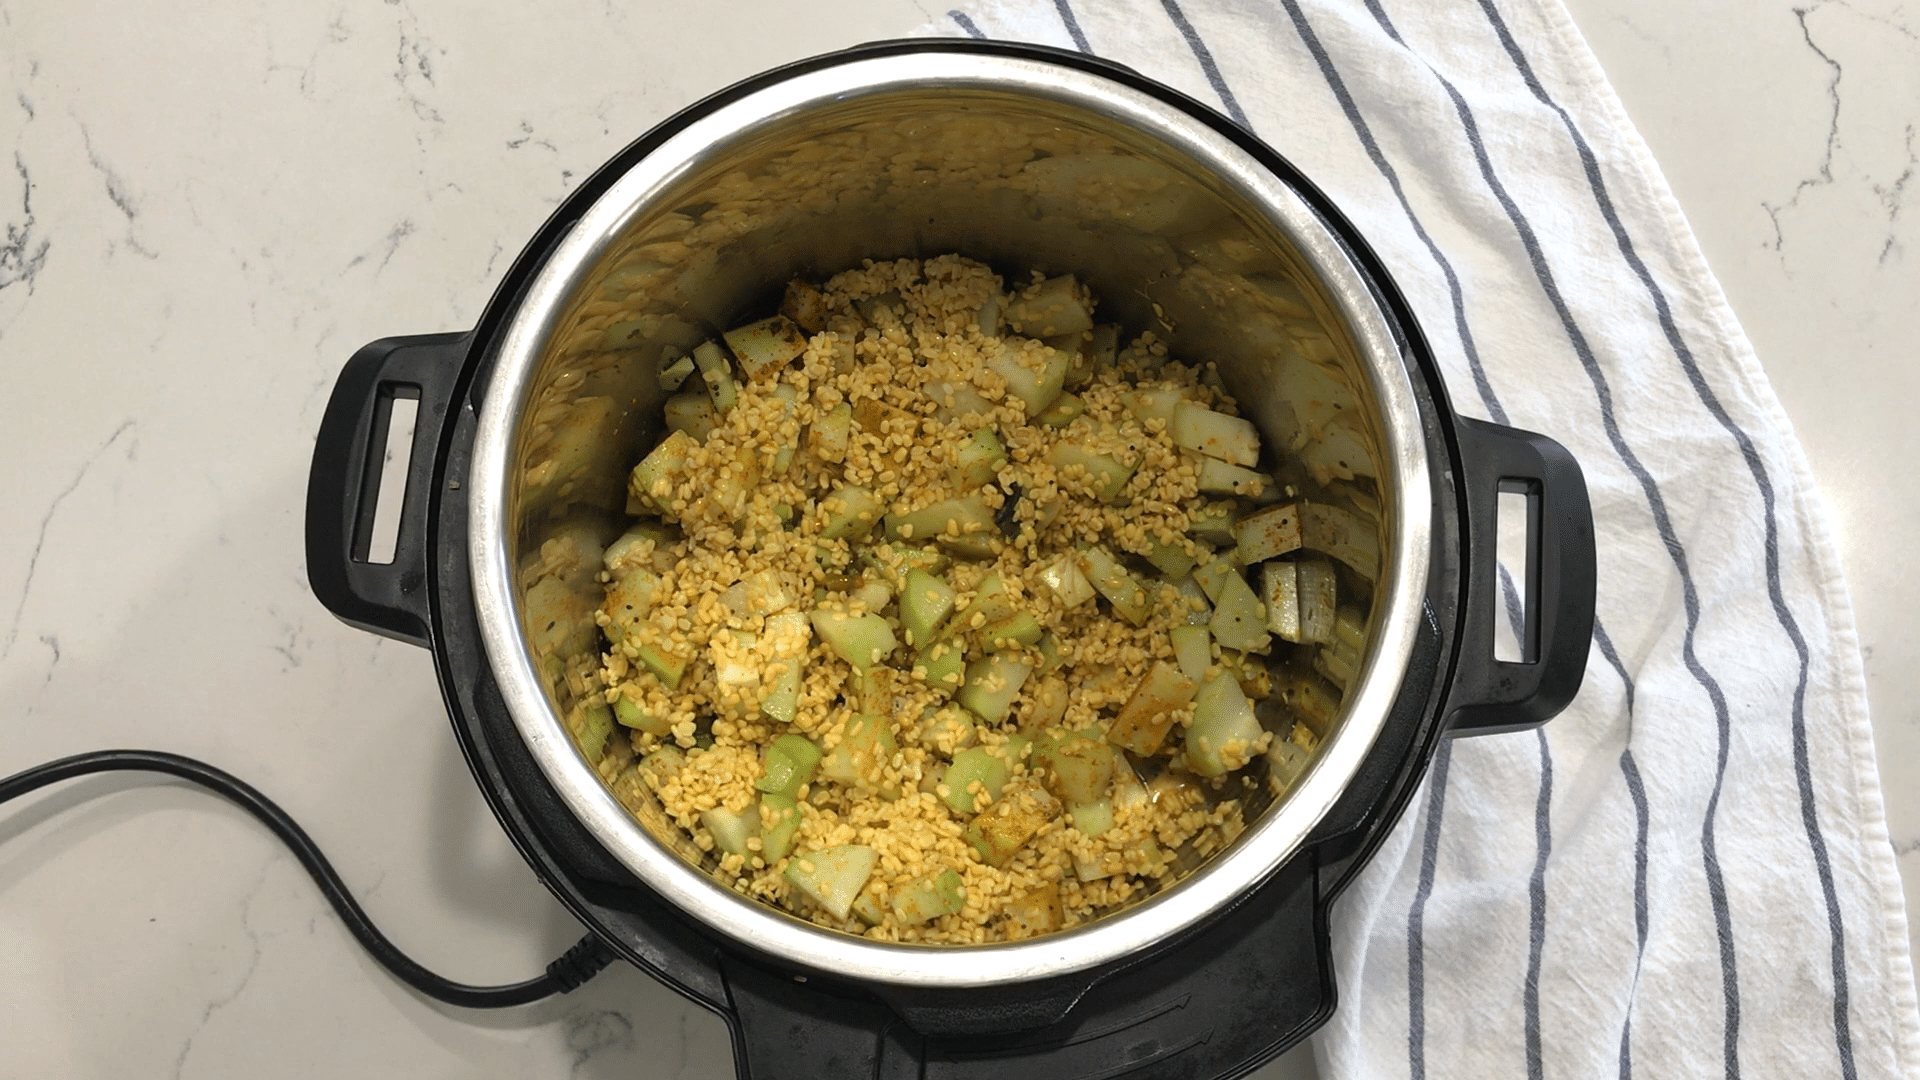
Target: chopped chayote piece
(929,898)
(832,877)
(860,640)
(976,765)
(991,685)
(765,347)
(1224,731)
(925,602)
(788,763)
(1148,715)
(732,828)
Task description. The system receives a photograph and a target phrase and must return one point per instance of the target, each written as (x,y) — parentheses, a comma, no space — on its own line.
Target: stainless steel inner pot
(1021,164)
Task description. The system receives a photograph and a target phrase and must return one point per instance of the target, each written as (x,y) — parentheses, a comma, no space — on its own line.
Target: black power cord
(573,968)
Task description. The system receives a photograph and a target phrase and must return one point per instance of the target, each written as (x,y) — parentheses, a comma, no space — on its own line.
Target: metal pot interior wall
(1024,185)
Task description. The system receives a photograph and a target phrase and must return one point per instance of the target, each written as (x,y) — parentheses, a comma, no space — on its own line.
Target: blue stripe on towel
(1816,840)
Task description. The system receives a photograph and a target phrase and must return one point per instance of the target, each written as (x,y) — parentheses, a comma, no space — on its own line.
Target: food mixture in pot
(947,614)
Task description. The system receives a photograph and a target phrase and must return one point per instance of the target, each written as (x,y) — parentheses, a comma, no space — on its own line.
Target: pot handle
(344,483)
(1491,695)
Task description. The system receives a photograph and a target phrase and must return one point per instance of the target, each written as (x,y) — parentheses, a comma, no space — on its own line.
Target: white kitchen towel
(1687,873)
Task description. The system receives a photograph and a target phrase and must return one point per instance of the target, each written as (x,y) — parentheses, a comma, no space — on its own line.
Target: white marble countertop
(204,214)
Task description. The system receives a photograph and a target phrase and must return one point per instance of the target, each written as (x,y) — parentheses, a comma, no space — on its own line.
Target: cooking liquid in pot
(949,617)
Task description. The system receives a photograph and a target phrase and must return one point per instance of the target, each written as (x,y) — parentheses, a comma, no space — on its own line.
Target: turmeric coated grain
(893,635)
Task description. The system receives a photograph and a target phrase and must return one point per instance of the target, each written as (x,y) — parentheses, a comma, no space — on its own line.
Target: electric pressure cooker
(1179,220)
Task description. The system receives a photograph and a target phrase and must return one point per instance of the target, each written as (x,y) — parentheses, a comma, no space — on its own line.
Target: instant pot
(1027,159)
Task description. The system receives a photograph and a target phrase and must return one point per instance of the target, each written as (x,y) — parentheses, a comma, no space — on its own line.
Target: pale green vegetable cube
(675,366)
(1152,403)
(1193,649)
(692,415)
(1034,379)
(717,374)
(1128,791)
(1017,748)
(644,544)
(789,761)
(1103,344)
(1080,765)
(860,640)
(592,723)
(1144,721)
(866,907)
(1217,435)
(1193,601)
(789,634)
(630,713)
(1117,584)
(964,526)
(928,898)
(925,602)
(957,400)
(653,480)
(732,828)
(991,603)
(861,757)
(1224,729)
(850,512)
(764,593)
(779,824)
(1171,559)
(1065,409)
(1212,523)
(895,561)
(1054,306)
(992,313)
(658,767)
(1105,477)
(943,666)
(974,765)
(765,347)
(991,685)
(1280,591)
(1050,655)
(1063,576)
(1213,576)
(1092,819)
(789,399)
(832,877)
(668,664)
(1224,478)
(630,597)
(874,594)
(1049,704)
(1239,620)
(1020,629)
(977,460)
(734,665)
(1266,533)
(1002,829)
(1035,912)
(830,432)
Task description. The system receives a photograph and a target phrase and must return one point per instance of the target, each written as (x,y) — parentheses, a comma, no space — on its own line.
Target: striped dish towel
(1686,874)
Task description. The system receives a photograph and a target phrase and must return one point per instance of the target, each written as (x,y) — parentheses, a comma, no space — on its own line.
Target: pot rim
(1267,843)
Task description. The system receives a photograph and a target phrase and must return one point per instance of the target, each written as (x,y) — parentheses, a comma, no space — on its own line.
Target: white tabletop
(202,215)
